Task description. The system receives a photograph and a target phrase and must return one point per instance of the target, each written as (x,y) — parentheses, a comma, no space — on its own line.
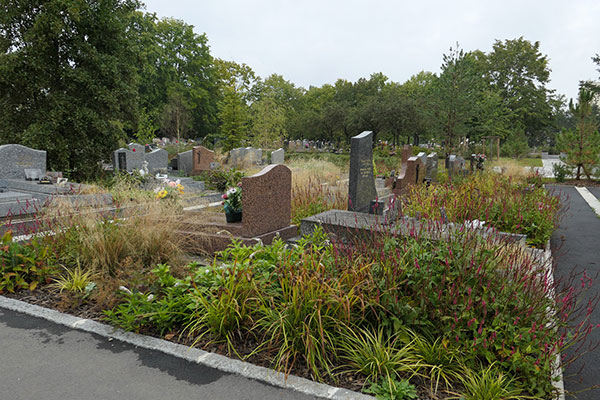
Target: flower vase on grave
(233,216)
(232,204)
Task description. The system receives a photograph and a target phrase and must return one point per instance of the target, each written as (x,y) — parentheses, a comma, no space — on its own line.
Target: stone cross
(361,184)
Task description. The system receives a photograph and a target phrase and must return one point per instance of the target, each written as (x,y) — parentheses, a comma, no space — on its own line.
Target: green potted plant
(232,203)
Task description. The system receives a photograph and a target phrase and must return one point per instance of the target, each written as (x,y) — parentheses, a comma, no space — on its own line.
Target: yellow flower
(162,194)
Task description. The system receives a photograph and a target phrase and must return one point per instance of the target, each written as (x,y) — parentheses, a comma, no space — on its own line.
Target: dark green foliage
(220,179)
(67,78)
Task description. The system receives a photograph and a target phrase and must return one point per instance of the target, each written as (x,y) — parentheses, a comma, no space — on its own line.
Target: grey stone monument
(361,185)
(158,160)
(431,167)
(15,158)
(278,156)
(185,162)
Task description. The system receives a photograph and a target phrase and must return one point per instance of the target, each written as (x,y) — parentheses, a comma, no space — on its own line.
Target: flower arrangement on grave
(170,190)
(232,203)
(479,160)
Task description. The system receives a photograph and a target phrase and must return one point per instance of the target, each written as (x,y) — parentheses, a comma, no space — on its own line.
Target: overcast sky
(312,42)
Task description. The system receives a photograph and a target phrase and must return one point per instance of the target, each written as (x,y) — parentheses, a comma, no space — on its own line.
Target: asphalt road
(576,247)
(43,360)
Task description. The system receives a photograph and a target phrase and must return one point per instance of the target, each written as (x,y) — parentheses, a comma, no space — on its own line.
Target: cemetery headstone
(451,164)
(203,158)
(361,186)
(185,162)
(243,157)
(158,160)
(278,156)
(15,158)
(266,200)
(431,169)
(406,153)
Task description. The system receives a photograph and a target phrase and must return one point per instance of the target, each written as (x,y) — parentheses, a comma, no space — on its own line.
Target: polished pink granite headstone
(266,200)
(202,158)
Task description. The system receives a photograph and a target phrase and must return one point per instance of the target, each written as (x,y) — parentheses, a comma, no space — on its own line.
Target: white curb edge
(190,354)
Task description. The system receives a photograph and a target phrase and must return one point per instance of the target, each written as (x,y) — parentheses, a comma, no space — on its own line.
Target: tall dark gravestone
(361,185)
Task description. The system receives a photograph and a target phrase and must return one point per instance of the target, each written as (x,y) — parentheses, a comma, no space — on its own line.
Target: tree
(456,93)
(582,145)
(176,117)
(519,71)
(67,78)
(177,70)
(233,114)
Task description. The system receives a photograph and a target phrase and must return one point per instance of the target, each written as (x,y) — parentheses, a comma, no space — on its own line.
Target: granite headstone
(15,158)
(361,184)
(266,200)
(278,156)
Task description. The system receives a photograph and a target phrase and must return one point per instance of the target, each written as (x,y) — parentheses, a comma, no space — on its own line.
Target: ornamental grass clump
(311,196)
(429,308)
(506,203)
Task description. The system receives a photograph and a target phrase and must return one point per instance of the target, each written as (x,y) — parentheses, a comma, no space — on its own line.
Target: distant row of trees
(78,76)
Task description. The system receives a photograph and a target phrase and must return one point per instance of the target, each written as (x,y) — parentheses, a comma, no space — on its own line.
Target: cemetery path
(44,360)
(576,247)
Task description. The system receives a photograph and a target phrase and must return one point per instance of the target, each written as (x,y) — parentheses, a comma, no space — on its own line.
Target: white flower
(150,297)
(231,191)
(124,289)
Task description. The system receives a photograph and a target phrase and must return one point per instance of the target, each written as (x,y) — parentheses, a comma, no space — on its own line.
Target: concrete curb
(190,354)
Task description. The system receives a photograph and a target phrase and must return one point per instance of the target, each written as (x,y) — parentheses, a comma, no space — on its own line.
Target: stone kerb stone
(202,158)
(361,184)
(185,162)
(278,156)
(15,158)
(431,168)
(158,160)
(266,200)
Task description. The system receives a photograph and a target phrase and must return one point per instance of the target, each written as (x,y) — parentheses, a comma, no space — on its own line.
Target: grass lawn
(523,162)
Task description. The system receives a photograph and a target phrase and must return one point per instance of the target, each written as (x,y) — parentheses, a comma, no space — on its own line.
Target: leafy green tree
(268,122)
(582,145)
(67,78)
(234,117)
(519,71)
(176,118)
(456,93)
(177,70)
(146,130)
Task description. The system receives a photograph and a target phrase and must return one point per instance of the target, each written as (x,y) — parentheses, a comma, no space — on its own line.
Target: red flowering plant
(232,199)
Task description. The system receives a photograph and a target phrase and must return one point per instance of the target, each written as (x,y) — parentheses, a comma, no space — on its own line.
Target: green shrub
(24,265)
(561,171)
(221,180)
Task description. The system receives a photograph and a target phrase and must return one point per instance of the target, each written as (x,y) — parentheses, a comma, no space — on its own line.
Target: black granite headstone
(361,185)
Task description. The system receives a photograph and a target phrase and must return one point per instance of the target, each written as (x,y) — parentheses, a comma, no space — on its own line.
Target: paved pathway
(43,360)
(579,241)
